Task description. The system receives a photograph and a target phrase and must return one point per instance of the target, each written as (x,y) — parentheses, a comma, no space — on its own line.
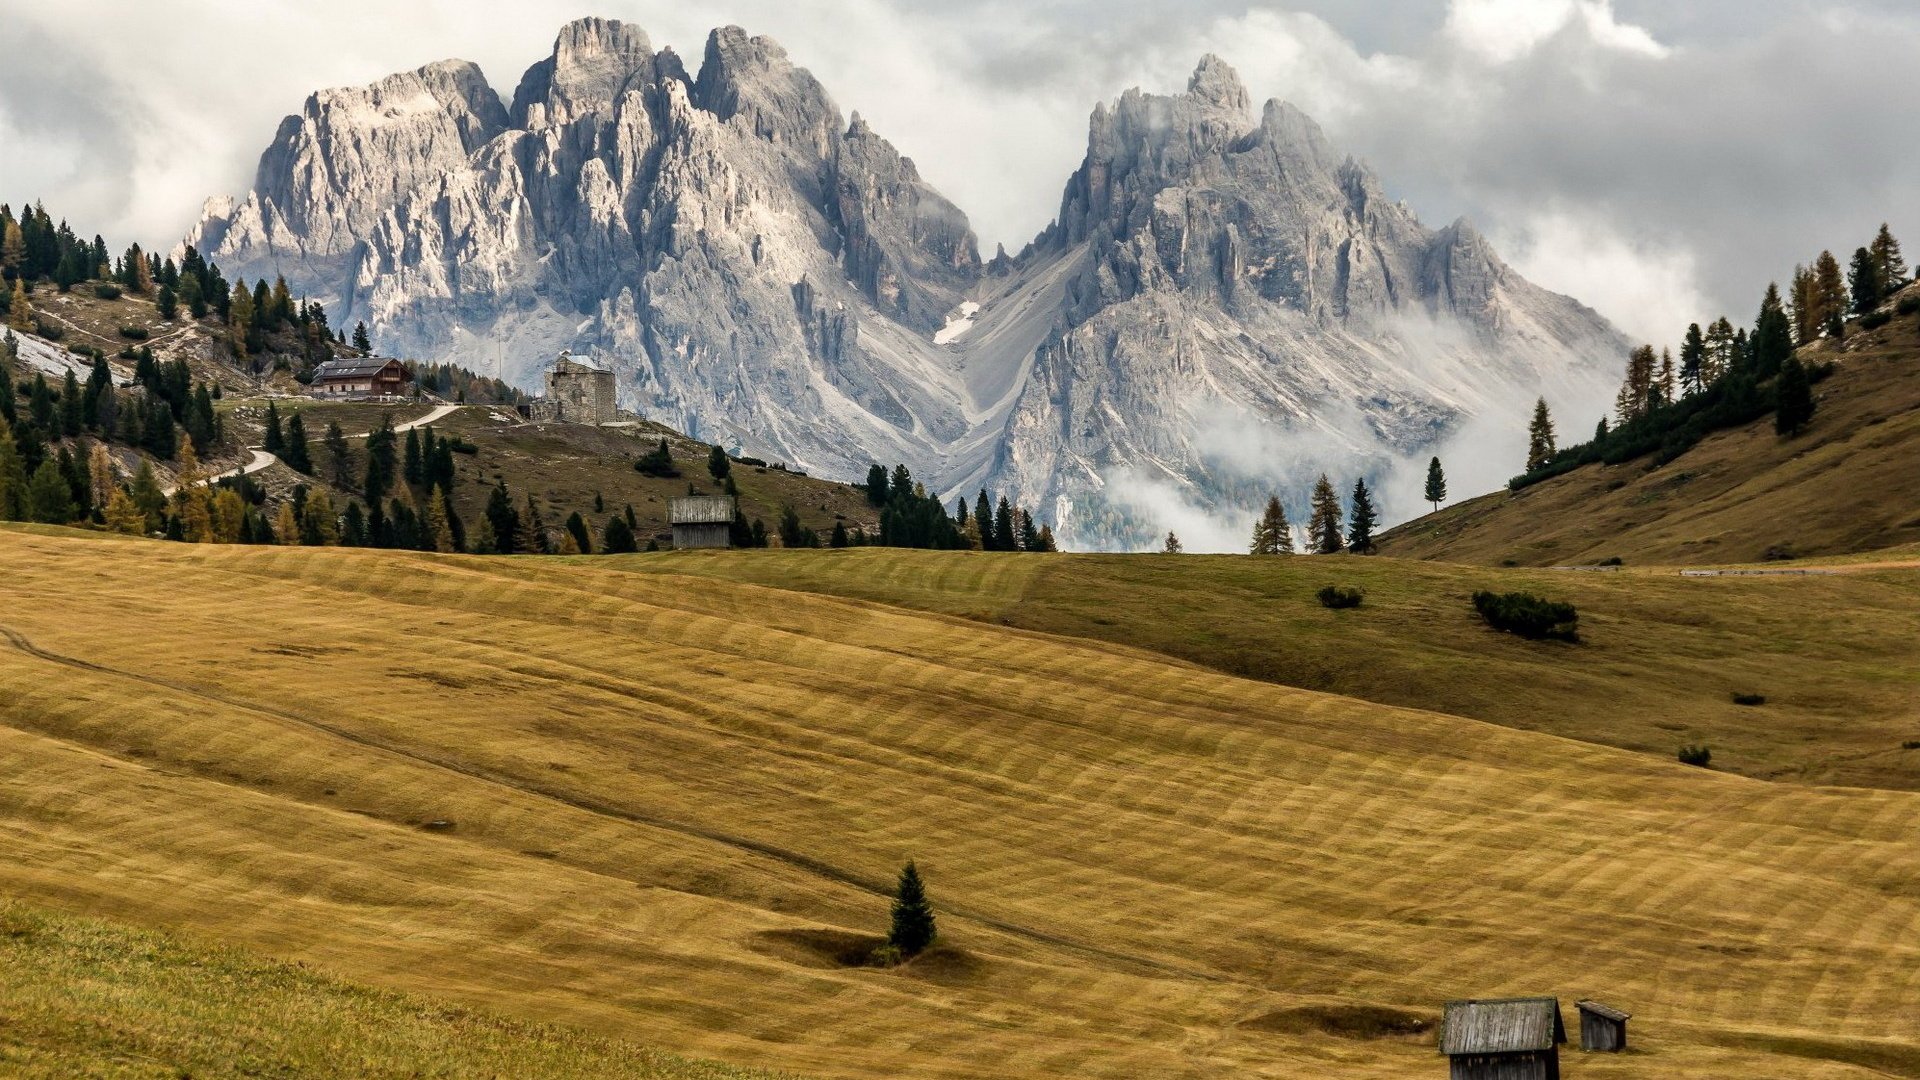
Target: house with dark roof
(360,377)
(1505,1039)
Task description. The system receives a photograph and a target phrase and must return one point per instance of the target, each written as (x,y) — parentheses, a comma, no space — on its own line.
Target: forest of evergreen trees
(1727,377)
(912,518)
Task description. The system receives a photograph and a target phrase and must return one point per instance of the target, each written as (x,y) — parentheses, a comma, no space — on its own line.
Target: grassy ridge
(665,803)
(1661,660)
(88,998)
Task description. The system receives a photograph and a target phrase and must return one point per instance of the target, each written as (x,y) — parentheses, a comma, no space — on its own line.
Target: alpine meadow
(616,573)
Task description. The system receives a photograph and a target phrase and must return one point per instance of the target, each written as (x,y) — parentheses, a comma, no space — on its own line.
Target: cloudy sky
(1661,160)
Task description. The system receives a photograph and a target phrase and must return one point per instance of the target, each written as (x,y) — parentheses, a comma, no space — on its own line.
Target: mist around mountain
(1224,307)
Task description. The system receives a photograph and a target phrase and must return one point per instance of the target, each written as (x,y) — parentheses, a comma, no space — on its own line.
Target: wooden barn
(360,377)
(701,521)
(1602,1027)
(1506,1039)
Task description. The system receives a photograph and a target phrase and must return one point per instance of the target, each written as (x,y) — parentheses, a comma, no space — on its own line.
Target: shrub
(1874,320)
(48,329)
(1528,615)
(1695,755)
(1339,596)
(134,333)
(754,461)
(1778,553)
(1908,304)
(1611,560)
(885,956)
(107,290)
(1910,744)
(1749,699)
(459,445)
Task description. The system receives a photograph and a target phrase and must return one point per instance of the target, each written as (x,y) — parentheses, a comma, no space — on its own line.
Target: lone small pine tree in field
(1172,546)
(1436,484)
(913,926)
(718,464)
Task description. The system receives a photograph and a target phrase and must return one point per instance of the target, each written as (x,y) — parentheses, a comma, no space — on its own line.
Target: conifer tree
(194,505)
(286,525)
(1172,545)
(1829,294)
(414,466)
(146,494)
(361,343)
(913,926)
(49,497)
(983,519)
(13,477)
(718,464)
(1772,341)
(1323,528)
(577,528)
(1271,534)
(617,539)
(1029,536)
(1636,389)
(20,309)
(503,518)
(1540,441)
(1863,282)
(339,465)
(440,528)
(298,455)
(1047,542)
(274,439)
(318,525)
(839,538)
(167,303)
(1365,517)
(1664,382)
(1887,260)
(229,514)
(1436,483)
(72,408)
(876,484)
(1803,297)
(123,516)
(1794,401)
(1004,536)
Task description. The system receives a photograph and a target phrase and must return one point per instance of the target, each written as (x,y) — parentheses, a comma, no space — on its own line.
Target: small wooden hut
(701,521)
(1505,1039)
(1602,1027)
(359,377)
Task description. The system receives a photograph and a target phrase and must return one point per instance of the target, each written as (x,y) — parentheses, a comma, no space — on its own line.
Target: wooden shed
(359,377)
(1505,1039)
(1602,1027)
(701,521)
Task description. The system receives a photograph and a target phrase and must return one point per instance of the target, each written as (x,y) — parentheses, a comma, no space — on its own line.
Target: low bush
(1339,596)
(1611,560)
(107,290)
(754,461)
(1874,320)
(1749,699)
(134,333)
(1908,304)
(1695,755)
(459,445)
(1528,615)
(1910,744)
(48,329)
(1778,553)
(885,956)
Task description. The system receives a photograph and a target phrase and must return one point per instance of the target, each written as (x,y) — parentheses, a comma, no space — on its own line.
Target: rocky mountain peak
(752,78)
(592,60)
(1215,82)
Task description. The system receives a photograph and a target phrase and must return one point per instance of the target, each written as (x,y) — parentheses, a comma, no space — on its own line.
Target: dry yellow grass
(671,798)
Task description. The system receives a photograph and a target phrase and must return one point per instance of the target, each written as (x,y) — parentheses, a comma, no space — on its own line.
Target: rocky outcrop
(762,272)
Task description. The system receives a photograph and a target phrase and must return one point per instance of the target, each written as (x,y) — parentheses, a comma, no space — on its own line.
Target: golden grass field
(673,802)
(1661,658)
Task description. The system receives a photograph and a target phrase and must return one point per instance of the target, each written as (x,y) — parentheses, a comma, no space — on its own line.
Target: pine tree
(913,926)
(318,525)
(13,477)
(1323,529)
(577,528)
(1804,299)
(286,525)
(1636,389)
(123,516)
(839,538)
(49,497)
(1271,534)
(1172,545)
(1029,536)
(983,520)
(1794,401)
(20,309)
(1772,341)
(195,506)
(275,439)
(440,528)
(167,303)
(1829,294)
(298,455)
(1540,439)
(1863,282)
(1887,260)
(1047,542)
(718,464)
(617,539)
(1365,517)
(503,519)
(414,466)
(146,494)
(361,343)
(1664,382)
(1003,535)
(72,408)
(1436,484)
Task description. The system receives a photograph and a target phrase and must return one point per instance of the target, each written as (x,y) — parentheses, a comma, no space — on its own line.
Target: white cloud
(1505,30)
(1646,287)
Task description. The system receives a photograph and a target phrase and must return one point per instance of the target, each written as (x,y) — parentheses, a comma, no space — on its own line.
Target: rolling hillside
(1848,484)
(665,808)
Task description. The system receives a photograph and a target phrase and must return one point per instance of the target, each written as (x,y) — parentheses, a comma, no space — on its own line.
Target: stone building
(577,393)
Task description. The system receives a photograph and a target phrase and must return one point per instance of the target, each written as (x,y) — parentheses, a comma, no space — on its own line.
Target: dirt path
(260,460)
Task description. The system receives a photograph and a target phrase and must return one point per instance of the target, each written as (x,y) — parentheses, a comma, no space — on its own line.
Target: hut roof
(1607,1011)
(351,367)
(1506,1026)
(701,510)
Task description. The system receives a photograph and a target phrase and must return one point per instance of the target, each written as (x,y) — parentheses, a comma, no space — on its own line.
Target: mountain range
(1224,305)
